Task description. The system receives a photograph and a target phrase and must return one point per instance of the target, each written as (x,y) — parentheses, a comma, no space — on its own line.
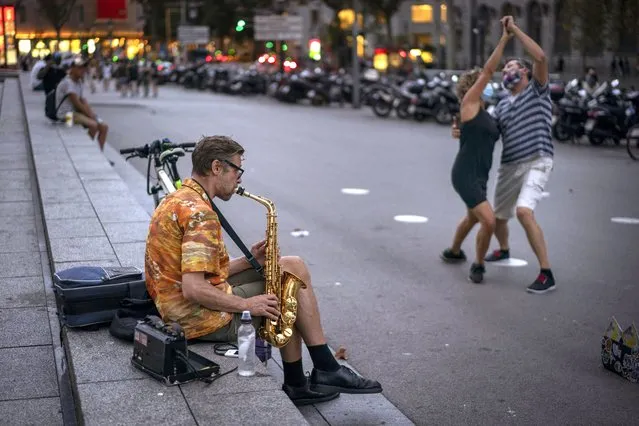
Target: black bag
(126,319)
(91,295)
(50,109)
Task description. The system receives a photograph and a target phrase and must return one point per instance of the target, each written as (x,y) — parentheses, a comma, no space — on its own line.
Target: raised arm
(540,63)
(470,103)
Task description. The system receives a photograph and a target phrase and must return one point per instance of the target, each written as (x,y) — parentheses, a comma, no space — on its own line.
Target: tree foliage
(386,9)
(57,12)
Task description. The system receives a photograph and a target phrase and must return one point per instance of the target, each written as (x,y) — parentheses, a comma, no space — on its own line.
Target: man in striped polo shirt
(524,119)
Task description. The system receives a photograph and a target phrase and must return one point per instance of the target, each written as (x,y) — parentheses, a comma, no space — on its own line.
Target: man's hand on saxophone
(258,250)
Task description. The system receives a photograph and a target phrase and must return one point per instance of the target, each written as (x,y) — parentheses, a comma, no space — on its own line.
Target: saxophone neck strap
(237,240)
(229,230)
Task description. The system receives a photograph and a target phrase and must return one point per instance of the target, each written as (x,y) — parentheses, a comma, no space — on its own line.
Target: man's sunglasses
(236,167)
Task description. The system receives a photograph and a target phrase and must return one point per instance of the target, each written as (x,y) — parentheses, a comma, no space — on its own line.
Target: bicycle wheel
(633,142)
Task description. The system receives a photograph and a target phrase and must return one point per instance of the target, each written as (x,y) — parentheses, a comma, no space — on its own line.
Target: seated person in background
(51,73)
(71,87)
(34,81)
(193,282)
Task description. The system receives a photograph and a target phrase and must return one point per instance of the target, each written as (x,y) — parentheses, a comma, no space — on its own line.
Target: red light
(209,58)
(380,51)
(402,53)
(8,14)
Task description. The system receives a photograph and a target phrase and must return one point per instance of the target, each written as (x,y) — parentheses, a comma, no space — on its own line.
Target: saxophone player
(193,282)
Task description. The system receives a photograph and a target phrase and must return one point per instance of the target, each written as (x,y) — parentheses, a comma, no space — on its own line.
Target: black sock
(322,358)
(547,272)
(294,373)
(507,251)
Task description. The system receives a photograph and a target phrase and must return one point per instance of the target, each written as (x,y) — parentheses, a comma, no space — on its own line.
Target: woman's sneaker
(476,273)
(449,256)
(498,255)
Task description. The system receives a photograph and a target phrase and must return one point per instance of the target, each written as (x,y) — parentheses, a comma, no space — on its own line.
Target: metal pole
(356,82)
(183,12)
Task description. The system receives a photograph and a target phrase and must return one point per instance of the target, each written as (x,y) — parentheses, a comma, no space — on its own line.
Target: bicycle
(633,142)
(164,154)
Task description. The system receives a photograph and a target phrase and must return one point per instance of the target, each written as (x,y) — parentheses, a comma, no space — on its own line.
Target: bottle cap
(246,316)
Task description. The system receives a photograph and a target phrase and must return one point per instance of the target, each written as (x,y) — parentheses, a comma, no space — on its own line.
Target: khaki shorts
(521,185)
(83,120)
(244,284)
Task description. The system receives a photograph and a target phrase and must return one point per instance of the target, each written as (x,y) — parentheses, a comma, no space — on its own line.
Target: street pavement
(446,351)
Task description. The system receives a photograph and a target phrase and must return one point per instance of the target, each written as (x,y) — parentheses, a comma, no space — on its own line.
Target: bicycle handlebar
(156,147)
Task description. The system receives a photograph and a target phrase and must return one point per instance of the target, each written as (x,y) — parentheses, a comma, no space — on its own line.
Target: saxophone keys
(289,317)
(287,332)
(291,304)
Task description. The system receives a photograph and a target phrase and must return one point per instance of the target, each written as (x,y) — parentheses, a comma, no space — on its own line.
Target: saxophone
(283,284)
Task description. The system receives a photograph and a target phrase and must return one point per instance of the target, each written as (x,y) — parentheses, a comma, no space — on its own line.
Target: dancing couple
(523,120)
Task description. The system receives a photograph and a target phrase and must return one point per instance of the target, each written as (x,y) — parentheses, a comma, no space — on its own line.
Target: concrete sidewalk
(33,370)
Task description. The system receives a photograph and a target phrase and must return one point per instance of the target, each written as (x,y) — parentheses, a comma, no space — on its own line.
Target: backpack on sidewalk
(50,109)
(90,296)
(127,317)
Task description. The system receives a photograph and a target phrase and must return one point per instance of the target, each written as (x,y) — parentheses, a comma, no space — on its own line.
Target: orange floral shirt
(185,235)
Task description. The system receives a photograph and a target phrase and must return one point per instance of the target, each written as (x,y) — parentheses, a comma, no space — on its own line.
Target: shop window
(421,13)
(443,13)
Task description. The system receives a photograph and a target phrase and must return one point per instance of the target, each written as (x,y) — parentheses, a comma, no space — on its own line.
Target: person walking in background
(472,165)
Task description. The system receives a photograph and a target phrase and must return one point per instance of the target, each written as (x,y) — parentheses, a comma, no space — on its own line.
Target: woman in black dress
(479,133)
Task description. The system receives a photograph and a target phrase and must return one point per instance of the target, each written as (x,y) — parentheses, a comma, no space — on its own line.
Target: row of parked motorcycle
(604,114)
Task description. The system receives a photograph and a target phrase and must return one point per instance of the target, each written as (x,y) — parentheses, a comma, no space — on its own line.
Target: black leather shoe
(303,395)
(343,380)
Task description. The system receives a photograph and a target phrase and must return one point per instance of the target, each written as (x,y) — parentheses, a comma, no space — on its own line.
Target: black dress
(475,158)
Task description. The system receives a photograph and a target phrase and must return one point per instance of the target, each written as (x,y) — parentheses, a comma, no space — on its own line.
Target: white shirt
(34,81)
(66,87)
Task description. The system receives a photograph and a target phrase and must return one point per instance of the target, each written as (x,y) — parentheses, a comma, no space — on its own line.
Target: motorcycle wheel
(443,115)
(560,133)
(318,100)
(420,116)
(381,108)
(402,110)
(633,146)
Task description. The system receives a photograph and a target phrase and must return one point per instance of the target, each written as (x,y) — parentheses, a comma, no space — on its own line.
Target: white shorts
(521,185)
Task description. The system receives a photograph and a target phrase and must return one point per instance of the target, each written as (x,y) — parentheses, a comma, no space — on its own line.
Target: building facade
(109,25)
(468,30)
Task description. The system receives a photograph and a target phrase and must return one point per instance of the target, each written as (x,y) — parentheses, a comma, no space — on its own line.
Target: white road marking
(409,218)
(625,220)
(355,191)
(300,233)
(510,262)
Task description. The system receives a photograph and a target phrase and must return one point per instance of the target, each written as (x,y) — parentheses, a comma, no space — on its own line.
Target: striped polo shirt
(524,121)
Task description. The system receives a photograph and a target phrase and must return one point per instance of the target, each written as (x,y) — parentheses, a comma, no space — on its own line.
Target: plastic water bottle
(246,346)
(68,119)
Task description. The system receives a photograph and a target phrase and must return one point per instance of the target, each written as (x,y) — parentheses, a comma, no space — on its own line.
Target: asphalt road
(445,350)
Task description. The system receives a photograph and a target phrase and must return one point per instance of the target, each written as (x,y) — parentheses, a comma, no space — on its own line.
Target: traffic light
(269,44)
(239,27)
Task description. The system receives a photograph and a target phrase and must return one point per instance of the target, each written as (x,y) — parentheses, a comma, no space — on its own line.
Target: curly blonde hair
(466,81)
